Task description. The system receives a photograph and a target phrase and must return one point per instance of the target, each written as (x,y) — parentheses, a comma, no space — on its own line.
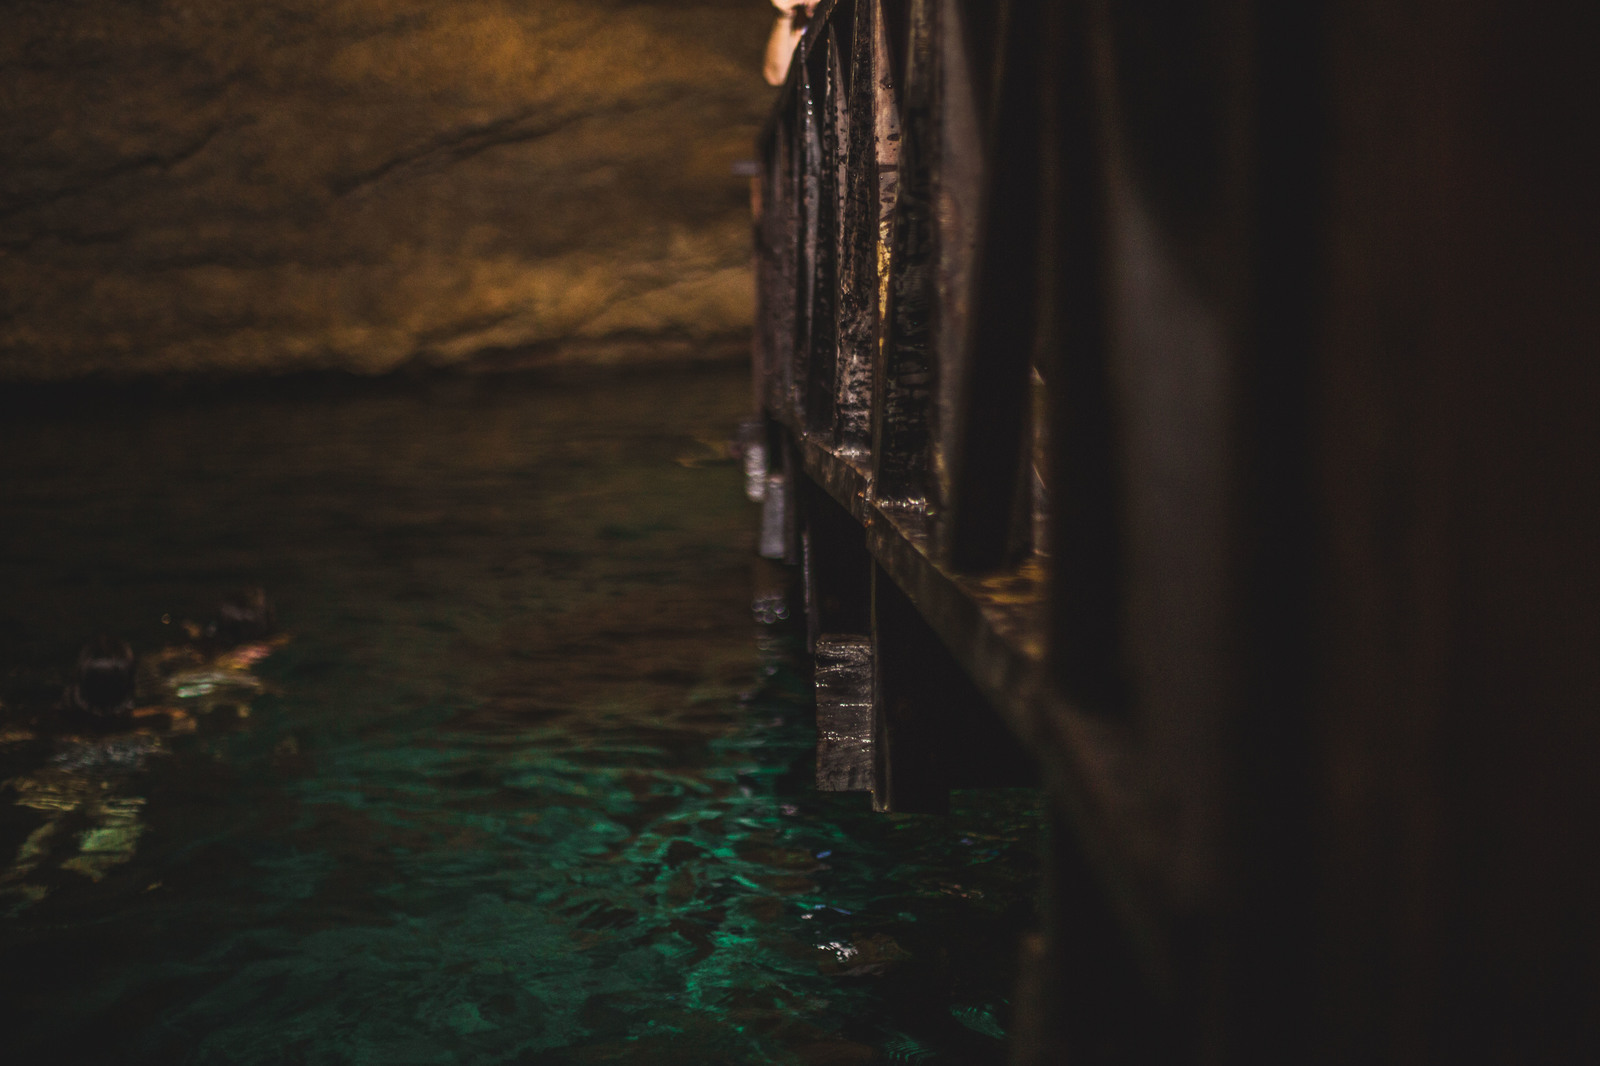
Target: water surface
(528,783)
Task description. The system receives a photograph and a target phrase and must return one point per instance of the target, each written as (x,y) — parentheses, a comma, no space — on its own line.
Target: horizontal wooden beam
(994,626)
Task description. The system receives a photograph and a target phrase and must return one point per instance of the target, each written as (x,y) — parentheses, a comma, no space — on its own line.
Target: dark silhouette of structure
(102,681)
(1204,398)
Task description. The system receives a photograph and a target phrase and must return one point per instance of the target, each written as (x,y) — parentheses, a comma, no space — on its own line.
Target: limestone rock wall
(214,186)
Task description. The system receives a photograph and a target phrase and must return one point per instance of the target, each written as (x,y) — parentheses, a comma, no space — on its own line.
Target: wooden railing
(921,173)
(1089,343)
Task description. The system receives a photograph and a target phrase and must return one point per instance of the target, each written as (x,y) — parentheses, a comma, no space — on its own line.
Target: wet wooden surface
(1232,421)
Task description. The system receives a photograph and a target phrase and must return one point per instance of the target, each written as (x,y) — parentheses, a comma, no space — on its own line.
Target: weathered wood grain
(845,719)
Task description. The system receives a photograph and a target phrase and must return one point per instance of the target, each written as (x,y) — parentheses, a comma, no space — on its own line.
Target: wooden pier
(1196,406)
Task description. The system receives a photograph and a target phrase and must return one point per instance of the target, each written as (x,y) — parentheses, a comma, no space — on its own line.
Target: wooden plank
(1085,626)
(903,378)
(988,519)
(858,269)
(845,716)
(823,204)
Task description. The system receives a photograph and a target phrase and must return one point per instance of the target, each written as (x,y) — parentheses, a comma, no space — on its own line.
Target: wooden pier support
(1195,405)
(846,714)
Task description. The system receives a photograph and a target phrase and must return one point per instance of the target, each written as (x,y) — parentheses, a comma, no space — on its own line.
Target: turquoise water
(529,782)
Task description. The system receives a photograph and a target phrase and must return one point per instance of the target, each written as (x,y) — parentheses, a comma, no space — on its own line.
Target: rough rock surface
(214,186)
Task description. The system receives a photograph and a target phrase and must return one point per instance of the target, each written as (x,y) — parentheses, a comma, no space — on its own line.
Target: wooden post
(845,714)
(902,386)
(987,520)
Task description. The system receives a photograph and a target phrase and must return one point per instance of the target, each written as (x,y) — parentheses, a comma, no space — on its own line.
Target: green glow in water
(528,785)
